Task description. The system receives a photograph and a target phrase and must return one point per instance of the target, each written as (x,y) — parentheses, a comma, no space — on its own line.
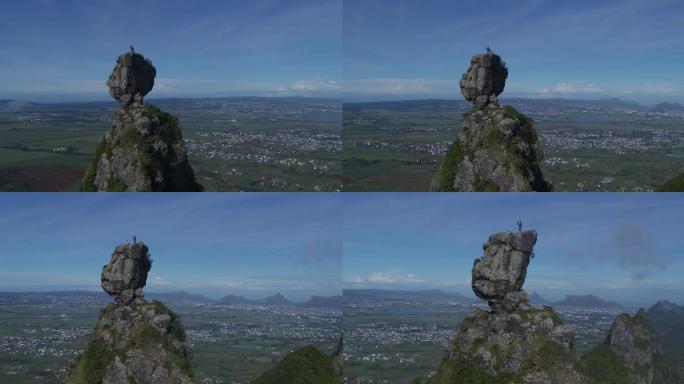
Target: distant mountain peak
(587,301)
(668,107)
(536,298)
(277,299)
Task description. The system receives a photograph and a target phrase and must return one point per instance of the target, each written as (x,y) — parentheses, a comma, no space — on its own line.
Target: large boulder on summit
(144,150)
(126,274)
(515,343)
(499,275)
(497,148)
(484,80)
(134,341)
(131,79)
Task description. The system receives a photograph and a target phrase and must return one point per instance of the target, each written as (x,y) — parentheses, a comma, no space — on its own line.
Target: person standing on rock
(519,223)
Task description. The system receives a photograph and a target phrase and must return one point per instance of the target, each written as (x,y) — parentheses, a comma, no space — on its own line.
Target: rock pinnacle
(499,275)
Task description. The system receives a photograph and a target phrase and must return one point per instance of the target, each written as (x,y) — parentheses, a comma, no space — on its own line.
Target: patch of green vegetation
(130,136)
(88,184)
(92,363)
(527,131)
(306,365)
(641,319)
(602,366)
(675,184)
(116,184)
(641,343)
(147,335)
(494,138)
(551,354)
(464,372)
(447,170)
(168,123)
(484,185)
(554,316)
(97,355)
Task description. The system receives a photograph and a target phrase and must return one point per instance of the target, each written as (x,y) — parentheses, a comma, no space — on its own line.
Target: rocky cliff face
(134,340)
(514,343)
(499,275)
(497,148)
(630,354)
(143,151)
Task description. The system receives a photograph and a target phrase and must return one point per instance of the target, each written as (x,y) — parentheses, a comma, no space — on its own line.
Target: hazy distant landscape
(40,333)
(234,144)
(394,336)
(599,145)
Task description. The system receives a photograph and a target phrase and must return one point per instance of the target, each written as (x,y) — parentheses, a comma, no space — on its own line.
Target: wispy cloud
(400,86)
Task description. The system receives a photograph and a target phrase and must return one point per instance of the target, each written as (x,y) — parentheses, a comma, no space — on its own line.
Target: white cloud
(576,87)
(386,278)
(308,86)
(585,89)
(400,86)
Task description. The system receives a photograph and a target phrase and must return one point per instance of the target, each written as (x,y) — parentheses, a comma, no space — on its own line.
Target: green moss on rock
(482,136)
(88,184)
(464,372)
(447,170)
(92,363)
(162,347)
(602,366)
(675,184)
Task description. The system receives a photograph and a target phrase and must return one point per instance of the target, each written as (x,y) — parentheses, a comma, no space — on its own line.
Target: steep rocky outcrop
(497,148)
(306,365)
(144,150)
(134,340)
(126,274)
(630,354)
(514,343)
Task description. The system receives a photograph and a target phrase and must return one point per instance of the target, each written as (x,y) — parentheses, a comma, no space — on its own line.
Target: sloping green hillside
(306,365)
(675,184)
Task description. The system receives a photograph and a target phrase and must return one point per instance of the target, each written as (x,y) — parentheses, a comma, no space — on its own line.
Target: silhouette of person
(133,239)
(132,49)
(489,50)
(519,223)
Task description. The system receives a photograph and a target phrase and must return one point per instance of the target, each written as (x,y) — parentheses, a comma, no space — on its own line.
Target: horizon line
(28,100)
(373,100)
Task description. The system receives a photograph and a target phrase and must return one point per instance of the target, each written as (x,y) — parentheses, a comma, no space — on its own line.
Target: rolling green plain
(230,345)
(235,144)
(397,146)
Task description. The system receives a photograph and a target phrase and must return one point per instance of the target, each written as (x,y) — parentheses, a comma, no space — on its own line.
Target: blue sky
(401,49)
(56,50)
(215,244)
(624,247)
